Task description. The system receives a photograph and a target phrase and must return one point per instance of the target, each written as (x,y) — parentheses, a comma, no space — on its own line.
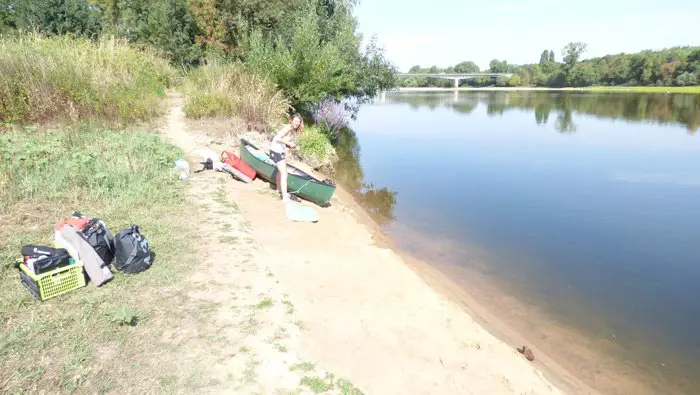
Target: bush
(220,89)
(317,59)
(62,78)
(687,79)
(315,148)
(331,116)
(514,81)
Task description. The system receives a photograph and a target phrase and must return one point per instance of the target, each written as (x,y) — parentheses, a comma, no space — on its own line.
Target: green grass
(91,335)
(290,306)
(347,388)
(304,367)
(318,384)
(227,89)
(264,304)
(644,89)
(70,79)
(228,239)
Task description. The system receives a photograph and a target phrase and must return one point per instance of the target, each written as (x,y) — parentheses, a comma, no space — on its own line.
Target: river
(581,208)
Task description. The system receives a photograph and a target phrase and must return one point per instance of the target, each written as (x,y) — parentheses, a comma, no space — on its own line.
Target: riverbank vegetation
(560,109)
(228,90)
(45,79)
(253,60)
(674,67)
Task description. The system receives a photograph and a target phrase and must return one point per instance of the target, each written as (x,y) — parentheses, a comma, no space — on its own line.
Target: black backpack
(100,238)
(131,252)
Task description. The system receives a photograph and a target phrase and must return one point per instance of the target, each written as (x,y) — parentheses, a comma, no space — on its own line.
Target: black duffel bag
(131,251)
(44,259)
(100,238)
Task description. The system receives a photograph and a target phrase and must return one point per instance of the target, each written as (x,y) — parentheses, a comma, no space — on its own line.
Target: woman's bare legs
(282,179)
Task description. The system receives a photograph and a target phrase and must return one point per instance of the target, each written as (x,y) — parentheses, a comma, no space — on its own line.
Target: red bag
(238,164)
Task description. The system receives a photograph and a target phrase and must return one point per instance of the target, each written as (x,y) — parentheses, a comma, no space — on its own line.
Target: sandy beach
(364,312)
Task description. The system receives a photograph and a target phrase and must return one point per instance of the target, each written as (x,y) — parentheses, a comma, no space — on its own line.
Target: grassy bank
(645,89)
(638,89)
(85,340)
(46,79)
(92,339)
(229,90)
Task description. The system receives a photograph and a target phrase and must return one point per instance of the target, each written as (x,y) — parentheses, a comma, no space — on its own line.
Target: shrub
(221,89)
(315,148)
(331,116)
(515,81)
(687,79)
(61,78)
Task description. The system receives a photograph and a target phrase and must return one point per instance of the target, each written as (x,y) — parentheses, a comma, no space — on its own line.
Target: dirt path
(292,301)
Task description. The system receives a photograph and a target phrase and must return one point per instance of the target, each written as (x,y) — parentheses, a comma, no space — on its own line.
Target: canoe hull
(301,184)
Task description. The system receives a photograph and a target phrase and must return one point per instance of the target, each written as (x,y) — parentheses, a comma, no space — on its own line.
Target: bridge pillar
(456,82)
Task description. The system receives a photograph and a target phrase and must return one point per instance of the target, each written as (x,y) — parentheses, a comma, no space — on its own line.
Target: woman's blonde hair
(300,129)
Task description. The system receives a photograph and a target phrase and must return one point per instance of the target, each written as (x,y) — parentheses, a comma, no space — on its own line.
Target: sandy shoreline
(367,312)
(368,316)
(572,360)
(441,283)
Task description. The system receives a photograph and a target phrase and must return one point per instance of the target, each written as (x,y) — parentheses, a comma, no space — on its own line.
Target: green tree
(544,58)
(53,17)
(583,75)
(466,67)
(551,55)
(173,28)
(337,68)
(572,52)
(497,66)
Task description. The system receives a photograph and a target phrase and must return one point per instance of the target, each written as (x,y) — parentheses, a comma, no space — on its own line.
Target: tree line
(677,66)
(309,48)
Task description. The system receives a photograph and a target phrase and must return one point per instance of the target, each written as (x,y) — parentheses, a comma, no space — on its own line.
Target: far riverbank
(636,89)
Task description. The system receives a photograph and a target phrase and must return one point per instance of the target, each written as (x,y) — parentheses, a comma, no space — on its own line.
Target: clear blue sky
(446,32)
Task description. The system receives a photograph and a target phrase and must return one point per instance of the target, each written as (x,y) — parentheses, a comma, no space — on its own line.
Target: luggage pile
(85,250)
(227,162)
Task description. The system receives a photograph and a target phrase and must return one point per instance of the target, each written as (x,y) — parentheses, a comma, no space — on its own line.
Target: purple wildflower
(331,116)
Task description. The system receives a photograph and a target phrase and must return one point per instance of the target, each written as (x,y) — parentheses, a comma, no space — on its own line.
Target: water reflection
(378,202)
(660,108)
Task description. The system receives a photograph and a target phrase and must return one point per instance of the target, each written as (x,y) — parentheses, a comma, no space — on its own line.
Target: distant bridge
(454,76)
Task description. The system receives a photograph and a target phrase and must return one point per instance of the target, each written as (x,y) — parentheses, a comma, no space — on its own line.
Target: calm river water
(586,205)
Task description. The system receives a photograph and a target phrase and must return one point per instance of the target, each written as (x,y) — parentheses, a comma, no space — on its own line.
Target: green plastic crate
(55,282)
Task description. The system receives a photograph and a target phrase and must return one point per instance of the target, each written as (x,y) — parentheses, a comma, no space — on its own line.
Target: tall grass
(224,90)
(49,78)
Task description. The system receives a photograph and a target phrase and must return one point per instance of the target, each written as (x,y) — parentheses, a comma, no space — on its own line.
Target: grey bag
(72,239)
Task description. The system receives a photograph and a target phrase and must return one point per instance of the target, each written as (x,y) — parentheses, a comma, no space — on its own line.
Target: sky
(446,32)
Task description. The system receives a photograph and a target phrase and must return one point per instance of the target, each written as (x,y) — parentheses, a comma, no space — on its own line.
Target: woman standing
(278,147)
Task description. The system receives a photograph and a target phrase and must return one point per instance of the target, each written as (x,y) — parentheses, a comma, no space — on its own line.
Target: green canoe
(298,182)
